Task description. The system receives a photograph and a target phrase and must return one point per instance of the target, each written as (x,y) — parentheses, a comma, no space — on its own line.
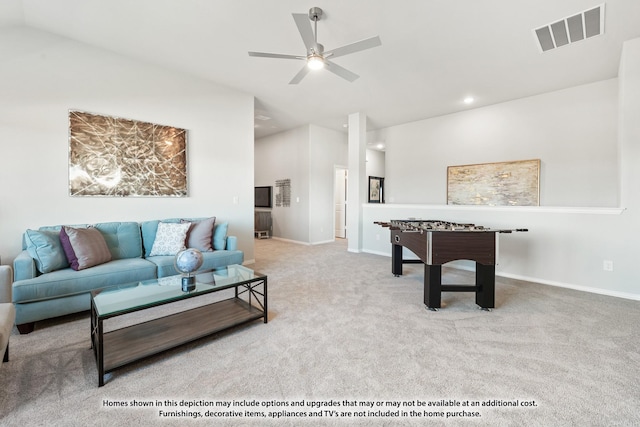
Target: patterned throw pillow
(170,238)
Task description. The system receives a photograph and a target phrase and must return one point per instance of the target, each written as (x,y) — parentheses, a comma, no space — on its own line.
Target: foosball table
(438,242)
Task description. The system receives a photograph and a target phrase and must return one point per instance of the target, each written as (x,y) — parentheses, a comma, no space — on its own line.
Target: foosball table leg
(396,260)
(486,286)
(432,286)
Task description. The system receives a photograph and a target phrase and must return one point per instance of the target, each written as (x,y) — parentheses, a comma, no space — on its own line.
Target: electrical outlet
(607,265)
(377,237)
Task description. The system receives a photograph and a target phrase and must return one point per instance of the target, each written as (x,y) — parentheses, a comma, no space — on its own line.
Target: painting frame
(110,156)
(510,183)
(376,189)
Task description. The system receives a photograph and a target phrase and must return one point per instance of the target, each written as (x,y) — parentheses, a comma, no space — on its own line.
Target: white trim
(384,254)
(599,291)
(513,209)
(291,241)
(322,242)
(535,280)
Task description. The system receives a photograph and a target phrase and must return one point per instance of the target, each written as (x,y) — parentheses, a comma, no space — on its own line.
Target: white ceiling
(434,53)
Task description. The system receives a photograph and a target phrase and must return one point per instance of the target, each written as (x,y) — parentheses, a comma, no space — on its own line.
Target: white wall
(43,76)
(11,12)
(573,132)
(375,163)
(577,133)
(286,156)
(306,155)
(630,126)
(328,148)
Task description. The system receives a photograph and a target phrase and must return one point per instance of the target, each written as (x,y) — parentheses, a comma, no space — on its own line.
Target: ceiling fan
(316,58)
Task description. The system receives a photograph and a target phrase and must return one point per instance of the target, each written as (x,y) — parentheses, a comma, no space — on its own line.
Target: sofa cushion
(84,247)
(123,238)
(220,236)
(148,230)
(170,238)
(46,250)
(67,282)
(200,235)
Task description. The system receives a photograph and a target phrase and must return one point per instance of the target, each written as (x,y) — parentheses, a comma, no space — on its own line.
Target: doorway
(340,198)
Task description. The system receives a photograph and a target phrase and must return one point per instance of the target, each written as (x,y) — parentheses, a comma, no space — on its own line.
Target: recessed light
(468,100)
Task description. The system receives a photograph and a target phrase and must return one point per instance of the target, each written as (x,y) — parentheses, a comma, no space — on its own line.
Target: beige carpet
(342,330)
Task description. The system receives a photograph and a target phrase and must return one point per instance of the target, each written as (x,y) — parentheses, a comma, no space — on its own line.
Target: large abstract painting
(111,156)
(514,183)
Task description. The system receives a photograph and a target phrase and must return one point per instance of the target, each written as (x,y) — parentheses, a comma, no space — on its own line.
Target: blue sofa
(39,295)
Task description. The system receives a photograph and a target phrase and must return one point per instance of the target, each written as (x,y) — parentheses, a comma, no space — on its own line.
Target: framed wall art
(283,193)
(111,156)
(515,183)
(376,189)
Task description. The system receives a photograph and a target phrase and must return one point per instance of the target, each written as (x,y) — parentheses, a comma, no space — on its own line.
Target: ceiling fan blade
(303,72)
(306,31)
(354,47)
(340,71)
(275,55)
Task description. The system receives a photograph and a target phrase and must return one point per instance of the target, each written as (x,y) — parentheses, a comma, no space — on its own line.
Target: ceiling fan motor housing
(320,50)
(315,13)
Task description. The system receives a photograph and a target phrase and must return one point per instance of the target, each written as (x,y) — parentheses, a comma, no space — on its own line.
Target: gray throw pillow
(84,247)
(200,235)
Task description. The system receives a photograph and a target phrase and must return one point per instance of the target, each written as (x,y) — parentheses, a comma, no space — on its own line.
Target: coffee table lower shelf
(117,348)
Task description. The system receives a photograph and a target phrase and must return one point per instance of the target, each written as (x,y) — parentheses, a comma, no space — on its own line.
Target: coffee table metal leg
(97,343)
(264,289)
(100,354)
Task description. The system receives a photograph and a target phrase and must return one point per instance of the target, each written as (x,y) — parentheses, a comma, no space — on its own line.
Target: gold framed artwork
(515,183)
(111,156)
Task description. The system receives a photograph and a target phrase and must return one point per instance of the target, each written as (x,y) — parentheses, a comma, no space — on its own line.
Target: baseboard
(598,291)
(291,241)
(322,242)
(384,254)
(624,295)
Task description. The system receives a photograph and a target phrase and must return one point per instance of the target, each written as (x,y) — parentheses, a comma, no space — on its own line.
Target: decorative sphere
(188,260)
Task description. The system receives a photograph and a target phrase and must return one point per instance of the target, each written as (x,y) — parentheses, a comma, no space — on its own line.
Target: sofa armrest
(6,279)
(24,267)
(232,243)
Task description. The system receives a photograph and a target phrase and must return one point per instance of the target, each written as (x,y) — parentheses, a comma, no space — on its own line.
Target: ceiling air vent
(571,29)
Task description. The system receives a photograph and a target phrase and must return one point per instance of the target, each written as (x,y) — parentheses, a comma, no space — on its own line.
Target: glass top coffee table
(223,298)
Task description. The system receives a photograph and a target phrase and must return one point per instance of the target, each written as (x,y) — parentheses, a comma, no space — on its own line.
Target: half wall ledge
(539,209)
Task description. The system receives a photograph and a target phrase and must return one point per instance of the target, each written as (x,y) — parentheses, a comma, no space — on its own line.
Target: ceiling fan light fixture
(315,62)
